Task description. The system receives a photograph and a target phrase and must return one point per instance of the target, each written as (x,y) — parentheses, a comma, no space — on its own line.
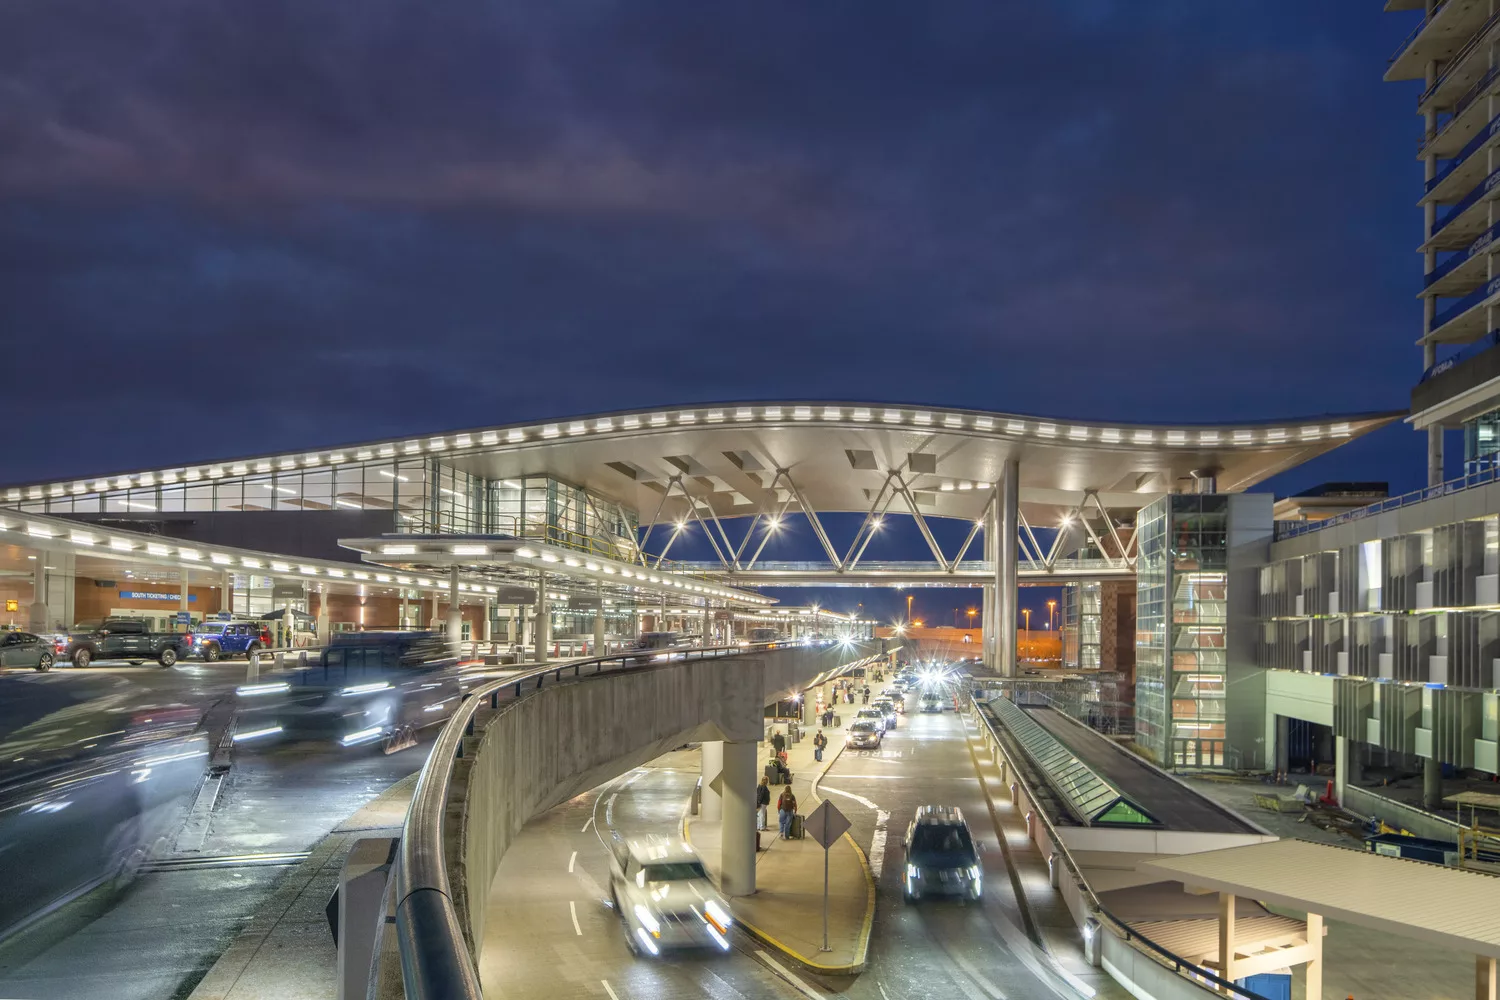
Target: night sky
(228,228)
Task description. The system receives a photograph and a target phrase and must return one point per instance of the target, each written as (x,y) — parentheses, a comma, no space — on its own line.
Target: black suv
(941,859)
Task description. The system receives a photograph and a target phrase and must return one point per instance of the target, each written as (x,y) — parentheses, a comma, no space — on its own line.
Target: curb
(862,945)
(1028,920)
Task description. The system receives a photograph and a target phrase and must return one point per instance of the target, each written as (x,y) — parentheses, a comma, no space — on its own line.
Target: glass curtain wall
(1152,573)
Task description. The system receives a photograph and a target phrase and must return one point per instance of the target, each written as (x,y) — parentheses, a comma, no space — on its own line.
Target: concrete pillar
(1283,745)
(711,805)
(1340,767)
(543,627)
(226,593)
(1007,541)
(455,610)
(182,599)
(1226,936)
(708,624)
(1432,784)
(401,623)
(737,840)
(38,615)
(599,620)
(1314,964)
(809,708)
(1484,978)
(489,620)
(513,625)
(324,634)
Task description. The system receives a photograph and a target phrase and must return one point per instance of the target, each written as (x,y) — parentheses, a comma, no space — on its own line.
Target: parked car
(941,859)
(22,649)
(871,714)
(215,640)
(664,897)
(864,735)
(887,706)
(124,639)
(366,687)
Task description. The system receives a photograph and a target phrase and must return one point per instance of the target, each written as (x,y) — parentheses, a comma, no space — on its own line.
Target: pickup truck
(122,639)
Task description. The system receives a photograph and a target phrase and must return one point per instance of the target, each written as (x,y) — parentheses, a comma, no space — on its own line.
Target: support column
(489,620)
(402,612)
(1340,767)
(455,610)
(432,618)
(737,838)
(543,627)
(513,626)
(182,600)
(1007,540)
(1432,784)
(38,621)
(708,624)
(1226,936)
(1283,745)
(711,806)
(1484,978)
(226,593)
(324,635)
(1314,964)
(599,620)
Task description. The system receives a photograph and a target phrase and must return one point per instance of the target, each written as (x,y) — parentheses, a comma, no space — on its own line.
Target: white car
(665,899)
(871,714)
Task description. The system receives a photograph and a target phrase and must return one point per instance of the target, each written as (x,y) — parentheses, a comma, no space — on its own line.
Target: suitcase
(773,774)
(797,830)
(838,720)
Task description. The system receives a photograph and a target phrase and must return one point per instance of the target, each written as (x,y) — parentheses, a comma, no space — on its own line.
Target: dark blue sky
(228,227)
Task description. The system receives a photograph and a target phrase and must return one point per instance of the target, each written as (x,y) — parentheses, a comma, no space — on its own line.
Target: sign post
(826,825)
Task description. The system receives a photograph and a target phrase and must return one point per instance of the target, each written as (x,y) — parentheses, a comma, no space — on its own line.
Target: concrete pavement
(786,911)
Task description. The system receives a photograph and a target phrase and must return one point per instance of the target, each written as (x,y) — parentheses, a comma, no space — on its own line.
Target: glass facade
(1080,628)
(424,495)
(1481,442)
(1181,618)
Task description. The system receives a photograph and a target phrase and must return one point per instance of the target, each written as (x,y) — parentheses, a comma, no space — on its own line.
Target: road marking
(857,798)
(573,859)
(786,974)
(609,990)
(609,809)
(978,977)
(587,825)
(573,909)
(883,993)
(877,844)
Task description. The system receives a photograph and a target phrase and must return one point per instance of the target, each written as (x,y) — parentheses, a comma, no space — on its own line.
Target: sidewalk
(286,951)
(786,911)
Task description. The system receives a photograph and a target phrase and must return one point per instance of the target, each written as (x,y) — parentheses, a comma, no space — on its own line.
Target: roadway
(157,938)
(552,932)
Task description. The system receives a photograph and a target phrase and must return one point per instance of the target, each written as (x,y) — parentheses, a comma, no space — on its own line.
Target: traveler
(819,742)
(762,801)
(786,808)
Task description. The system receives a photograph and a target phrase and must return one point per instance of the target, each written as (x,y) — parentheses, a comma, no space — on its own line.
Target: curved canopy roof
(836,455)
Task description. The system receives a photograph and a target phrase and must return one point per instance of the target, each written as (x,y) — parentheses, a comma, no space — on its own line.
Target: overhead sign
(184,618)
(826,825)
(141,595)
(11,604)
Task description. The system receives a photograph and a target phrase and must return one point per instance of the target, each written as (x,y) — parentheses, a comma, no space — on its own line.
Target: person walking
(762,801)
(786,808)
(778,741)
(819,742)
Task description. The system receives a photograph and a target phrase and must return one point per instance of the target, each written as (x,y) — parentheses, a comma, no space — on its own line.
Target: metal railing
(1463,256)
(1292,529)
(1460,57)
(1161,955)
(1421,27)
(435,963)
(1459,107)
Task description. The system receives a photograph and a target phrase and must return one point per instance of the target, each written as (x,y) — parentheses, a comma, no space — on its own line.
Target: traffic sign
(826,825)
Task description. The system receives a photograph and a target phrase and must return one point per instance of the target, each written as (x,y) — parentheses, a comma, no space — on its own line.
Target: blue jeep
(213,640)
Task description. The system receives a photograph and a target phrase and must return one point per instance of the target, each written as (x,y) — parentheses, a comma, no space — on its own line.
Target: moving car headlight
(646,942)
(974,872)
(717,915)
(647,919)
(912,871)
(250,690)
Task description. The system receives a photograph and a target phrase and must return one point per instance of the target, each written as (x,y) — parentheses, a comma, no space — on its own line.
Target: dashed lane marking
(609,989)
(573,859)
(573,911)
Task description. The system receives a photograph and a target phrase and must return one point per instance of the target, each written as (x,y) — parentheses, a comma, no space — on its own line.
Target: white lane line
(573,909)
(877,844)
(587,825)
(786,974)
(610,990)
(883,993)
(572,859)
(857,798)
(609,809)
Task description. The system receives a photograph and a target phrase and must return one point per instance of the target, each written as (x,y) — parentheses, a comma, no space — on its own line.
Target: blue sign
(224,616)
(141,595)
(184,618)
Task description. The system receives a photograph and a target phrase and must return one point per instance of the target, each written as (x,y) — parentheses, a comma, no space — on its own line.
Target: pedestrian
(867,696)
(819,742)
(762,801)
(786,808)
(778,741)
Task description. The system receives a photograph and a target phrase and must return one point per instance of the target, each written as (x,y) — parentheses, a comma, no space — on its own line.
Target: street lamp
(908,607)
(1050,606)
(971,613)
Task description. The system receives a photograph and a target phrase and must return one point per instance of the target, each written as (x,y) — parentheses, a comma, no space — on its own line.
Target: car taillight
(189,638)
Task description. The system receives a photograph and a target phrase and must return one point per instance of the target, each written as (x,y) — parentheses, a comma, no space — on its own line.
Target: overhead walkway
(969,573)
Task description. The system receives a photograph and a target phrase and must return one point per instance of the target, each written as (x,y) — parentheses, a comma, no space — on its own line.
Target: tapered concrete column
(39,594)
(599,621)
(737,840)
(543,627)
(402,611)
(1007,540)
(324,634)
(182,600)
(708,624)
(489,620)
(1484,978)
(1340,767)
(455,610)
(513,626)
(711,805)
(432,617)
(1432,784)
(1226,936)
(226,593)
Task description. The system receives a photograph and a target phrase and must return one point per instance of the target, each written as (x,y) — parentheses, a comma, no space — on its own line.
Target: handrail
(1292,529)
(1460,57)
(435,964)
(1459,107)
(1180,965)
(1421,26)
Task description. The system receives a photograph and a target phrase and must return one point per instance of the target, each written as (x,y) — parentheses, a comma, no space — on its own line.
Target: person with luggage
(778,741)
(786,808)
(762,801)
(819,742)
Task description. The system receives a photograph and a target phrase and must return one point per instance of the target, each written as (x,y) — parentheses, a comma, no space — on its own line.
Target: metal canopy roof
(1444,906)
(1093,800)
(837,455)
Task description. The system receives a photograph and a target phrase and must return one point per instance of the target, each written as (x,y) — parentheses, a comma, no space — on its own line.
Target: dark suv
(941,859)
